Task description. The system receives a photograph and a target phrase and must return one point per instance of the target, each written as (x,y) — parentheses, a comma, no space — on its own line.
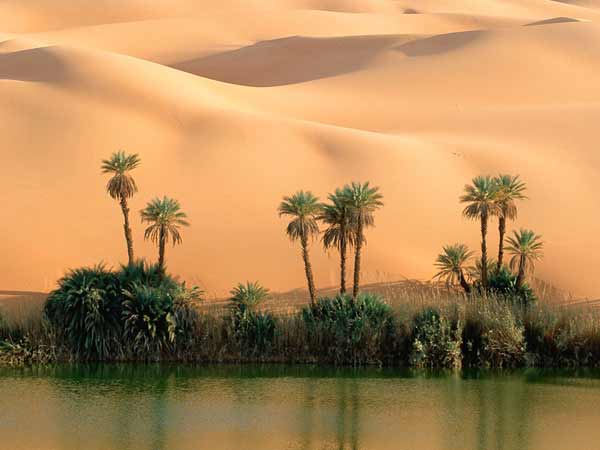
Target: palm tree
(452,264)
(122,186)
(248,296)
(304,209)
(362,200)
(165,218)
(341,230)
(481,205)
(525,247)
(510,189)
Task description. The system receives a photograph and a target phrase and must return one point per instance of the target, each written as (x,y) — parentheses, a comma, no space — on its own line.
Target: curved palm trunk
(502,232)
(308,269)
(343,259)
(359,243)
(126,227)
(463,282)
(484,274)
(161,250)
(521,274)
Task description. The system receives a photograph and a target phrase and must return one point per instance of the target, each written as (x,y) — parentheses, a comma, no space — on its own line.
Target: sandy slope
(233,105)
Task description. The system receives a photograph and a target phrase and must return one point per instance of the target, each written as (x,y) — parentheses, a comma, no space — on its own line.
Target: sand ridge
(417,97)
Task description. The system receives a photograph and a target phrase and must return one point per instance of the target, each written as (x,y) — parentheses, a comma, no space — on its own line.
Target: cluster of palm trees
(163,216)
(346,215)
(486,198)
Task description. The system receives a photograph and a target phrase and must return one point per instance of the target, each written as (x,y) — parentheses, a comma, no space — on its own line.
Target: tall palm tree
(121,186)
(341,230)
(480,197)
(510,189)
(452,264)
(304,209)
(363,200)
(165,218)
(525,247)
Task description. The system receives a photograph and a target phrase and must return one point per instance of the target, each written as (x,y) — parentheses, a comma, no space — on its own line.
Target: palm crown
(363,200)
(510,188)
(304,208)
(121,184)
(164,215)
(452,262)
(526,248)
(248,295)
(481,197)
(340,221)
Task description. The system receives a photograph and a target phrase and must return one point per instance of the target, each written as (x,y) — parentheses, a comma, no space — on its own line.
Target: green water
(174,407)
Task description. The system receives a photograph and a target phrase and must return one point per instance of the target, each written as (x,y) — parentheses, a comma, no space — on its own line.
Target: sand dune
(233,105)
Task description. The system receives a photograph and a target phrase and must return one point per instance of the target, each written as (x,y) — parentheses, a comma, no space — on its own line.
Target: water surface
(137,407)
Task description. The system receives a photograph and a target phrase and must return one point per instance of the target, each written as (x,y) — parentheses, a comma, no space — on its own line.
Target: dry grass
(21,312)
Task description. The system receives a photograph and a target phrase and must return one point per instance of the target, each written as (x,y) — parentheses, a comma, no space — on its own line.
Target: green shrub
(492,337)
(344,331)
(149,325)
(253,332)
(84,311)
(436,340)
(503,284)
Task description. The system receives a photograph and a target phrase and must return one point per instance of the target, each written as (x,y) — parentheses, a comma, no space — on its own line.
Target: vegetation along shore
(480,311)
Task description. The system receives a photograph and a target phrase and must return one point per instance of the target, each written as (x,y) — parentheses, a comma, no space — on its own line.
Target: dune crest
(232,105)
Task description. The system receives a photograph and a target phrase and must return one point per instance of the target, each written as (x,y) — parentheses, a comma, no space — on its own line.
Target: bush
(492,337)
(84,310)
(436,340)
(100,315)
(344,331)
(254,332)
(149,325)
(503,284)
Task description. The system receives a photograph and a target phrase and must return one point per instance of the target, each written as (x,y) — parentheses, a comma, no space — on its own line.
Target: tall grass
(407,324)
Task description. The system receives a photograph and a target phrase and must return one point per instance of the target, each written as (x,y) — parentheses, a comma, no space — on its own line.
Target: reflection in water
(152,407)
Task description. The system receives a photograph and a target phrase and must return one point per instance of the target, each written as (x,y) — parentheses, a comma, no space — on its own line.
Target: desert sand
(233,104)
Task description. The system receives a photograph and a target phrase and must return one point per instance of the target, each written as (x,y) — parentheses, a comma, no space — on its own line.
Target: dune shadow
(439,44)
(40,64)
(290,60)
(551,21)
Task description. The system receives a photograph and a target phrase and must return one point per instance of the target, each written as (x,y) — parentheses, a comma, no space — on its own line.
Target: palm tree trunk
(342,259)
(484,274)
(161,250)
(128,236)
(308,270)
(521,274)
(502,232)
(359,243)
(463,283)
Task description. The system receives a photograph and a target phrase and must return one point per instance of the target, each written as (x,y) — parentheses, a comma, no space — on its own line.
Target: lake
(152,407)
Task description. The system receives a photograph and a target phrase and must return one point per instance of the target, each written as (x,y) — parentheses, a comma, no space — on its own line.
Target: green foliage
(492,337)
(165,218)
(121,184)
(85,312)
(100,315)
(24,353)
(436,340)
(303,208)
(343,331)
(503,284)
(248,296)
(149,325)
(253,332)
